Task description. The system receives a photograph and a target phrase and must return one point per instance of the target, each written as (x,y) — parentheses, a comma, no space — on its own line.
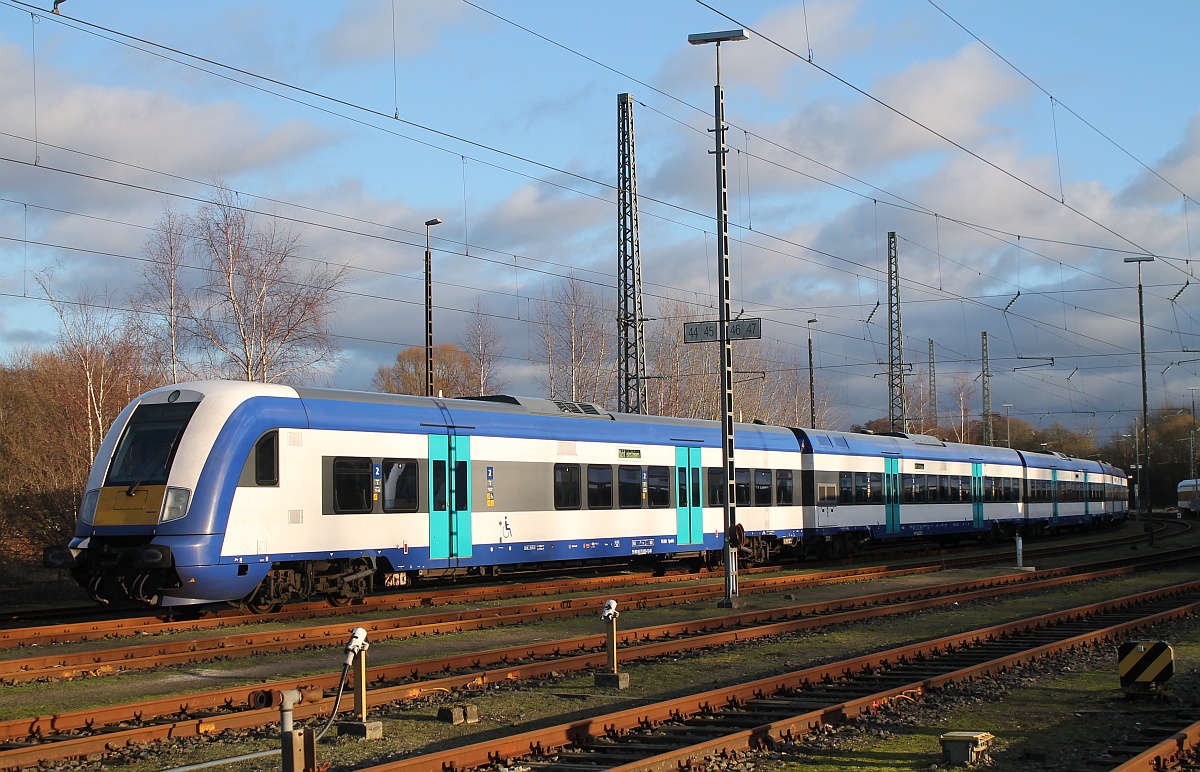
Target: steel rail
(60,665)
(46,635)
(542,744)
(1179,751)
(14,637)
(245,644)
(25,738)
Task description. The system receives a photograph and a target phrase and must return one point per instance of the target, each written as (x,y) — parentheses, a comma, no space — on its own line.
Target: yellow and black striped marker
(1145,663)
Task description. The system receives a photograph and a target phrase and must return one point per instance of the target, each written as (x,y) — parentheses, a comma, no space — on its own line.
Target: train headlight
(87,507)
(175,504)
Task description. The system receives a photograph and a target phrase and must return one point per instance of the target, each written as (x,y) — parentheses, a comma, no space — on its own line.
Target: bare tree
(99,343)
(681,376)
(578,337)
(964,392)
(43,452)
(163,304)
(453,375)
(484,344)
(259,316)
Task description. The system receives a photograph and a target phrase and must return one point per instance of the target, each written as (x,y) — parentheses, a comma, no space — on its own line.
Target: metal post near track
(729,550)
(1144,467)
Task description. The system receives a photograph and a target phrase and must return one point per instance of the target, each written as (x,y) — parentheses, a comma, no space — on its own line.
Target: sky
(1021,152)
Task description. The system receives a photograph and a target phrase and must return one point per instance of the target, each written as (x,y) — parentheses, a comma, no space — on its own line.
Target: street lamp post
(429,309)
(729,551)
(812,383)
(1144,468)
(1008,421)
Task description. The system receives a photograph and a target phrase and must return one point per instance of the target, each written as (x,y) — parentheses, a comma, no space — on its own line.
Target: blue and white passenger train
(261,494)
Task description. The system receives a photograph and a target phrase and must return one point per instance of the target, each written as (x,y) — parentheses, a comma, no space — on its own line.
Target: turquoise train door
(1054,493)
(891,493)
(689,517)
(1087,499)
(977,493)
(449,496)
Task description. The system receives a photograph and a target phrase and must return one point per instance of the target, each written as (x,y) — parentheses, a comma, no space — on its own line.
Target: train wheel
(256,606)
(337,601)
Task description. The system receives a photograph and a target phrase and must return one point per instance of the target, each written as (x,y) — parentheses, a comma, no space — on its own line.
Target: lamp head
(434,221)
(701,38)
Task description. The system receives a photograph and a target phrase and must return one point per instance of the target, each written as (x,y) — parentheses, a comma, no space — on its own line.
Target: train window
(400,485)
(876,492)
(921,487)
(600,486)
(862,487)
(266,460)
(931,488)
(566,486)
(845,487)
(460,486)
(658,486)
(351,485)
(944,488)
(682,495)
(763,493)
(784,494)
(716,486)
(826,495)
(955,483)
(147,448)
(741,487)
(696,499)
(629,487)
(439,486)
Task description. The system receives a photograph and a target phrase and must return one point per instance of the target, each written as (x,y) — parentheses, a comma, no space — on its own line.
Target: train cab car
(1187,496)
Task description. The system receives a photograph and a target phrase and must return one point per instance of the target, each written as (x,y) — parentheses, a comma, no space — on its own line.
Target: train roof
(904,445)
(501,415)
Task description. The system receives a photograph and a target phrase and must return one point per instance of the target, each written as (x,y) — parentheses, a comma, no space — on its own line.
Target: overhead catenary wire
(514,257)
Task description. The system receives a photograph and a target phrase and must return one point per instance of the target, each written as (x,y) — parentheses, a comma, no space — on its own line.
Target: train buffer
(1145,666)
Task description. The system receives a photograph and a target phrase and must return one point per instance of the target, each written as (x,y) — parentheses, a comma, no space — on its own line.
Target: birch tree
(162,304)
(578,335)
(483,343)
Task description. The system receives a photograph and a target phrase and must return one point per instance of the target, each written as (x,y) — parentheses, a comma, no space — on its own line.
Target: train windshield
(148,446)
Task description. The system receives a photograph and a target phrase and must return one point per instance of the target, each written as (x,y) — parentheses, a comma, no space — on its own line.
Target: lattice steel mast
(631,342)
(897,415)
(933,405)
(986,375)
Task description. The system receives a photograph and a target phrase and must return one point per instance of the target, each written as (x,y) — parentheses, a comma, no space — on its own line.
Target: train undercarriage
(340,582)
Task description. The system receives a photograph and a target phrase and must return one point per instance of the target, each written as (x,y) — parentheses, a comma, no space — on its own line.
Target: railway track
(1169,747)
(229,620)
(75,735)
(736,720)
(236,643)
